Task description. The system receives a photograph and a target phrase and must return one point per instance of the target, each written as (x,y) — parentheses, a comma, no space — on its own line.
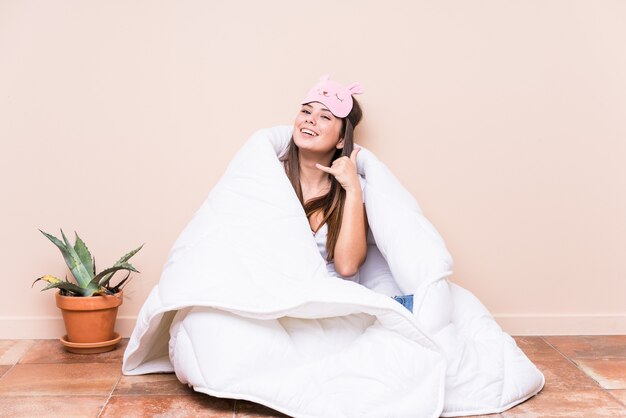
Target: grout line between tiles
(235,409)
(566,357)
(618,400)
(8,370)
(33,345)
(558,351)
(18,360)
(108,398)
(610,392)
(577,366)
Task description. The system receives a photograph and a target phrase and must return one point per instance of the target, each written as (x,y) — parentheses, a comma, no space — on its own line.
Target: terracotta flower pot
(89,320)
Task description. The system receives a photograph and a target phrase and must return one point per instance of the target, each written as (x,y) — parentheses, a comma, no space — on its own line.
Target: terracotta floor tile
(609,373)
(51,406)
(620,395)
(52,351)
(12,350)
(247,409)
(530,343)
(166,406)
(584,404)
(562,375)
(536,348)
(60,379)
(593,346)
(36,385)
(152,384)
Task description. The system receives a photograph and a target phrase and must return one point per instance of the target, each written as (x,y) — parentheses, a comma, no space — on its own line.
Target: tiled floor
(585,377)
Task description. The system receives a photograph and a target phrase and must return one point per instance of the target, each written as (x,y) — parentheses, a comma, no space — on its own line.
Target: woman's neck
(312,176)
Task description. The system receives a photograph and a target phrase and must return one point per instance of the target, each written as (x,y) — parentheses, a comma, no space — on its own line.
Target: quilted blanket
(245,308)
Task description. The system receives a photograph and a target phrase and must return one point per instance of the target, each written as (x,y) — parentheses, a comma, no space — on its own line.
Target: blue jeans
(405,300)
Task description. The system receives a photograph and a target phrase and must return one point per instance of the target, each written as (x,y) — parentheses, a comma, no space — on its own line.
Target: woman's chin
(302,142)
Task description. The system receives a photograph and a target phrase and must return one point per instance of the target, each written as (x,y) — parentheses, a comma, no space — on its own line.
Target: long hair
(331,204)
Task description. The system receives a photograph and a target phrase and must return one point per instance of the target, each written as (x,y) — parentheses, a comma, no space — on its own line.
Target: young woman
(320,162)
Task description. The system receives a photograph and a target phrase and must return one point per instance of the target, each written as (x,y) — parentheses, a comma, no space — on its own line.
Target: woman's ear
(340,144)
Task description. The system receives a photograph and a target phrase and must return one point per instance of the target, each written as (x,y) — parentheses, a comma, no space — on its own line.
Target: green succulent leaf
(83,266)
(81,274)
(84,255)
(46,278)
(127,256)
(64,251)
(120,285)
(91,292)
(121,261)
(70,287)
(100,280)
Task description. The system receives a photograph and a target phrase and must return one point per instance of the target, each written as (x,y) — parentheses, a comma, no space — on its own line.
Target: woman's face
(317,130)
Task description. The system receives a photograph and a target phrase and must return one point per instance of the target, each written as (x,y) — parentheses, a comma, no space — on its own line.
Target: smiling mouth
(308,132)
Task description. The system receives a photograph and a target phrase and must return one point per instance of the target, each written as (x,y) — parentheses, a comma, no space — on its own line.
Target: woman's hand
(344,170)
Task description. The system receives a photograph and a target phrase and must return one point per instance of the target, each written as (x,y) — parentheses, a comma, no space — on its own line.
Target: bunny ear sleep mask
(336,97)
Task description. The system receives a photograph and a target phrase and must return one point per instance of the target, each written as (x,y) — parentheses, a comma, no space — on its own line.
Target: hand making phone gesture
(344,170)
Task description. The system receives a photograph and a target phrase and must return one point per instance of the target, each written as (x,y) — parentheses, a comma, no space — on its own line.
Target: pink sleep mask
(337,98)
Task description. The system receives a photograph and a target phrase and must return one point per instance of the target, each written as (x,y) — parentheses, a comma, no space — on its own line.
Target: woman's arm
(351,246)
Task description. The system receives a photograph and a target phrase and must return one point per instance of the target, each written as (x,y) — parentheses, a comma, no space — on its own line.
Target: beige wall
(506,120)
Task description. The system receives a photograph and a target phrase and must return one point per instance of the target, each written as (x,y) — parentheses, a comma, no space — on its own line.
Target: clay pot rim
(89,303)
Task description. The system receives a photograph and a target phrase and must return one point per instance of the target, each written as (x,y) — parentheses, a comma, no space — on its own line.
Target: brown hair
(331,204)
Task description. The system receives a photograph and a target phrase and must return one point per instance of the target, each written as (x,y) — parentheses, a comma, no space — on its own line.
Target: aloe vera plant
(83,267)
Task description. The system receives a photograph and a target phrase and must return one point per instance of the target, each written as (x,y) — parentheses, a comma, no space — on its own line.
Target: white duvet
(245,308)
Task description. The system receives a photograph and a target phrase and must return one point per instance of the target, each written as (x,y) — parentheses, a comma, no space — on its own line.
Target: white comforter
(245,308)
